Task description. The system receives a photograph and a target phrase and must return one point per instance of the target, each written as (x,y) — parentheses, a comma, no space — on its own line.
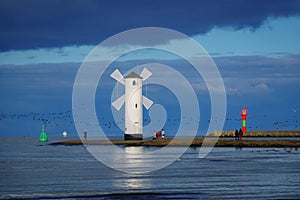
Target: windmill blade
(145,74)
(147,102)
(119,102)
(118,76)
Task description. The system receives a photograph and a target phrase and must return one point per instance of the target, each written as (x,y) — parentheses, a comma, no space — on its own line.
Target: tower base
(133,137)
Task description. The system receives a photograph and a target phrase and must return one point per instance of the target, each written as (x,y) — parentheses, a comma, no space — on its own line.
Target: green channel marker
(43,136)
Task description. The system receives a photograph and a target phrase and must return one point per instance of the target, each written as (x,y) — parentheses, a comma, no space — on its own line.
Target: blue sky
(255,45)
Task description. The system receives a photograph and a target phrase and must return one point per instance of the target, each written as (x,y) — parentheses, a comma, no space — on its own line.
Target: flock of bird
(48,119)
(55,119)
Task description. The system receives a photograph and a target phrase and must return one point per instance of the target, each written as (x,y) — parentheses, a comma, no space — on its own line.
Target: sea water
(33,170)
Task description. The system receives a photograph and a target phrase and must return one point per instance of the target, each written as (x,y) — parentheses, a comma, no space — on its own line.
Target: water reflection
(134,161)
(134,158)
(238,148)
(132,182)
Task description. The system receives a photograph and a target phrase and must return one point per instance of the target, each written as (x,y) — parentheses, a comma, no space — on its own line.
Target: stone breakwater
(271,133)
(197,142)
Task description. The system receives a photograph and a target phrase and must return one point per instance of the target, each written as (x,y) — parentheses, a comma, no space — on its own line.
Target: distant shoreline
(179,142)
(270,133)
(223,140)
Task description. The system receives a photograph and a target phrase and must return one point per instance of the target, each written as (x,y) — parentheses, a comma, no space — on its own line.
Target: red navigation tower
(244,114)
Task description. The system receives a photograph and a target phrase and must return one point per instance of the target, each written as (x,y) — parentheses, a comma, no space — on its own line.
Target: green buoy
(43,136)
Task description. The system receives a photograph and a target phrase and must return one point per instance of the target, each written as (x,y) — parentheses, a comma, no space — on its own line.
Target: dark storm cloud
(56,23)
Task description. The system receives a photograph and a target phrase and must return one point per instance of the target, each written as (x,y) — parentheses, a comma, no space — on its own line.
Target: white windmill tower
(133,100)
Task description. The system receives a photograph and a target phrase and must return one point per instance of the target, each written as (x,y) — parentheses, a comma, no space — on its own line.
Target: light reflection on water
(135,159)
